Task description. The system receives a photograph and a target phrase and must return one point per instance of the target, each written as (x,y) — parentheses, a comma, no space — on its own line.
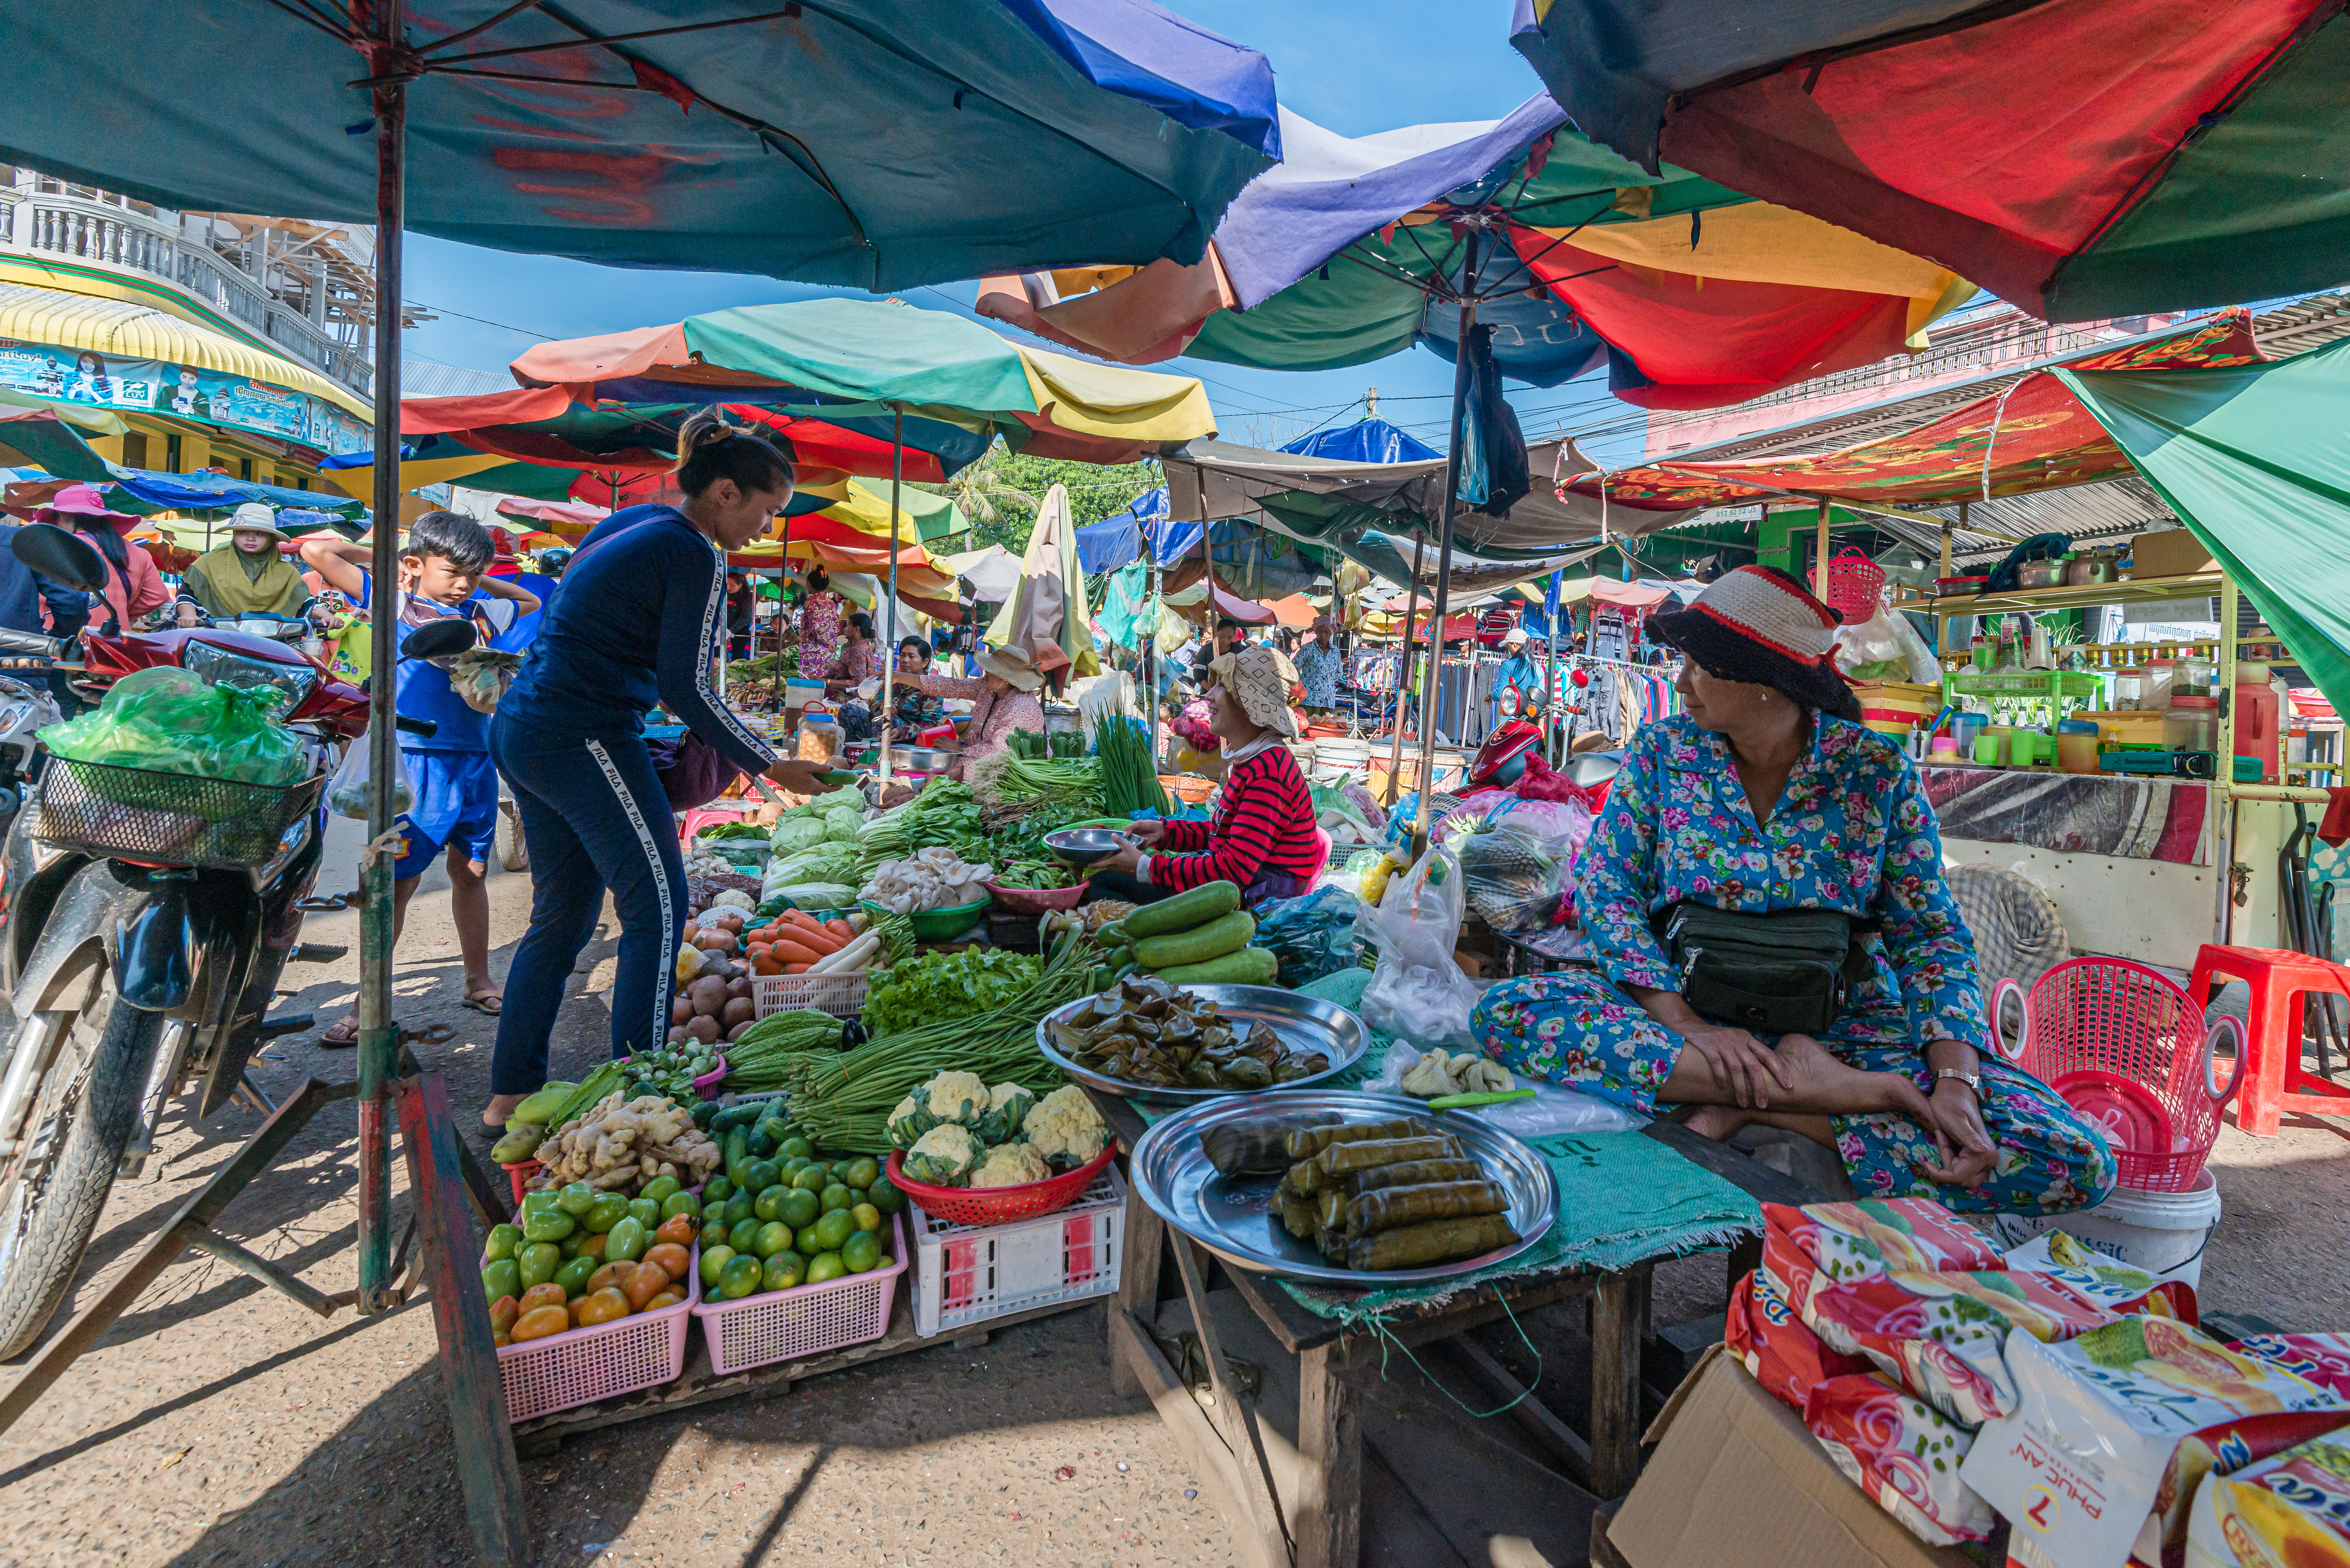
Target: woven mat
(1622,1197)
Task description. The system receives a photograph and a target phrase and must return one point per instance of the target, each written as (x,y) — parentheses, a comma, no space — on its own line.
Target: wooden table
(1304,1504)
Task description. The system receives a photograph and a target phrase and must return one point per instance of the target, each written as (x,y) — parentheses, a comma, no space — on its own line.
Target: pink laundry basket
(2130,1051)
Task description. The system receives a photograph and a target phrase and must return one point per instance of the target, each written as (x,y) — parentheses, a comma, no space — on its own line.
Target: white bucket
(2162,1232)
(1336,760)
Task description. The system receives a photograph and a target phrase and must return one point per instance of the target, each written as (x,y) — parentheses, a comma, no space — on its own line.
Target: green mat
(1622,1197)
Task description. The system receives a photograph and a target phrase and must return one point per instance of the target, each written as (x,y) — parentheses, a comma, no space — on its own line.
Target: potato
(737,1031)
(680,1008)
(707,996)
(737,985)
(677,1033)
(738,1011)
(693,931)
(704,1028)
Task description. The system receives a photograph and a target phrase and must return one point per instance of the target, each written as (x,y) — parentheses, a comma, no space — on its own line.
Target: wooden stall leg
(1330,1450)
(469,1361)
(1619,1322)
(1138,1286)
(1257,1494)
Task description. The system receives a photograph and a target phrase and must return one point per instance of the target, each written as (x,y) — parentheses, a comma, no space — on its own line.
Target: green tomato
(861,1173)
(884,1195)
(502,1278)
(505,1240)
(796,1149)
(769,1205)
(784,1271)
(537,1201)
(576,1200)
(608,1210)
(684,1203)
(576,1243)
(745,1231)
(834,1197)
(646,1212)
(834,1227)
(773,1237)
(626,1244)
(826,1266)
(548,1225)
(660,1188)
(800,1207)
(714,1264)
(718,1190)
(861,1251)
(574,1275)
(759,1175)
(740,1276)
(536,1263)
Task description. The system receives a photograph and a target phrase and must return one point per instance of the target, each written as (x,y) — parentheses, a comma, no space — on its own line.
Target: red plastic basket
(999,1205)
(519,1174)
(1854,583)
(2129,1051)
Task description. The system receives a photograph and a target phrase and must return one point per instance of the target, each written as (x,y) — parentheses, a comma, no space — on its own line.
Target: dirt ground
(220,1423)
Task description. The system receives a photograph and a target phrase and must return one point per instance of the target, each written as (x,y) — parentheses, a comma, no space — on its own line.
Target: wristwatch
(1971,1080)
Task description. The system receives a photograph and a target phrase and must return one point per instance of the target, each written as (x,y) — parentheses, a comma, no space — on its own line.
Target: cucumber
(1197,906)
(1112,935)
(1228,934)
(1249,966)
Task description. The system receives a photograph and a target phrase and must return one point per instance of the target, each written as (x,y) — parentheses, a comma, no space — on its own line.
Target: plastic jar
(2194,674)
(2192,724)
(2129,688)
(2076,747)
(2160,676)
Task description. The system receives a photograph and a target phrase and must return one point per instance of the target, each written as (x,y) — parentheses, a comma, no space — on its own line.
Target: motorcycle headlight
(222,668)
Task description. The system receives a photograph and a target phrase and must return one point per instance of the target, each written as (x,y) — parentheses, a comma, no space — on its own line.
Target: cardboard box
(2173,553)
(1736,1482)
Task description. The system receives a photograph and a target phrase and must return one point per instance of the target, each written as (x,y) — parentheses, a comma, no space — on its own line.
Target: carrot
(766,963)
(795,969)
(793,953)
(812,934)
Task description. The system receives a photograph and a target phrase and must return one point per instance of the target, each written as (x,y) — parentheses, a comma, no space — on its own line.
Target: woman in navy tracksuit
(641,614)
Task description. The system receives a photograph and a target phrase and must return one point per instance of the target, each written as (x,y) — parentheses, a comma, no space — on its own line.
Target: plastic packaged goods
(1418,991)
(1834,1244)
(1901,1452)
(2321,1358)
(1784,1356)
(2289,1512)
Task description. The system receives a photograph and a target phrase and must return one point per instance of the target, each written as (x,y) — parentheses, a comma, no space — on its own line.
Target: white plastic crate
(965,1274)
(842,995)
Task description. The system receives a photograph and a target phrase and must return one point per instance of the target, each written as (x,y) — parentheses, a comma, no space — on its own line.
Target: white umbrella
(992,573)
(1049,609)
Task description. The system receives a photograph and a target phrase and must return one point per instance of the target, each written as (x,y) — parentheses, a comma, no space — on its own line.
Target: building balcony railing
(96,231)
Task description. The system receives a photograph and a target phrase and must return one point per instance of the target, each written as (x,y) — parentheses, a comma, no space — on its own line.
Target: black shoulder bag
(1787,972)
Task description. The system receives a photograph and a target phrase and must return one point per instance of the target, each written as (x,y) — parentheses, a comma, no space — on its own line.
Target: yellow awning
(1112,401)
(117,327)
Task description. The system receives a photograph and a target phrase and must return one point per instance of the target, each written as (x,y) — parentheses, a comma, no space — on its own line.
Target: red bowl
(1036,900)
(1000,1205)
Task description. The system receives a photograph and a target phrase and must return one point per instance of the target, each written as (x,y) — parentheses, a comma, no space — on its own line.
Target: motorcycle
(145,919)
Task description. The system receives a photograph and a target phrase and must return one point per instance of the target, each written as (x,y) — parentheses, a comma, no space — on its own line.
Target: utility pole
(1371,402)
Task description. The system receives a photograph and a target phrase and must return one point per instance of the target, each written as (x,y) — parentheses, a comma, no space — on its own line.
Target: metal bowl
(1084,845)
(1304,1023)
(1232,1217)
(920,759)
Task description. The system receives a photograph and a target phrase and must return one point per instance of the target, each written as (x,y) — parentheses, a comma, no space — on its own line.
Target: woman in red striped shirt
(1260,833)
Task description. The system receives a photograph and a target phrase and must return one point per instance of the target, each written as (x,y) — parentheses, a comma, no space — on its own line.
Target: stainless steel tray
(1303,1022)
(1233,1216)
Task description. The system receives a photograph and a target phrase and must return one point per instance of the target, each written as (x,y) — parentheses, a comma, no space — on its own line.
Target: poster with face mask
(180,392)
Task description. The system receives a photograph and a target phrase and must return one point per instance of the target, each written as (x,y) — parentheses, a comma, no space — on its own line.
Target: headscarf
(1266,683)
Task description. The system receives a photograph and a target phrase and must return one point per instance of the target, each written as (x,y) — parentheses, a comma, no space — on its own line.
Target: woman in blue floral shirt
(1769,794)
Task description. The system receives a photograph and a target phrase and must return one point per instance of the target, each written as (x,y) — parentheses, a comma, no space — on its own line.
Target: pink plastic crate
(807,1319)
(968,1274)
(582,1366)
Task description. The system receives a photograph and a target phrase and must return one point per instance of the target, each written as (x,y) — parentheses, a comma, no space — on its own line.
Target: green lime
(826,1266)
(860,1252)
(773,1237)
(714,1264)
(739,1208)
(800,1207)
(718,1190)
(769,1204)
(861,1173)
(834,1227)
(740,1236)
(759,1175)
(884,1195)
(836,1197)
(796,1149)
(814,1177)
(784,1271)
(740,1277)
(866,1216)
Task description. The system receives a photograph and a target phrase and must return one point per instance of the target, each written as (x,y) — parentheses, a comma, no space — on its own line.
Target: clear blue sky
(1357,67)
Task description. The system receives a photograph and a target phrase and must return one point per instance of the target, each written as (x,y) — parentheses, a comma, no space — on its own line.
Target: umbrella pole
(1551,689)
(890,658)
(1444,554)
(1150,662)
(1403,681)
(775,686)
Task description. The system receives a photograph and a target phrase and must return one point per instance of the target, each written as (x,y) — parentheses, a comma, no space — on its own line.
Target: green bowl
(939,925)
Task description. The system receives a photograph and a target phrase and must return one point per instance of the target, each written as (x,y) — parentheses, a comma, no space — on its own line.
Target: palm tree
(983,495)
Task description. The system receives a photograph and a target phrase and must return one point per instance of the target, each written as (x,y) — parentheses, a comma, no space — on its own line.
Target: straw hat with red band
(1758,625)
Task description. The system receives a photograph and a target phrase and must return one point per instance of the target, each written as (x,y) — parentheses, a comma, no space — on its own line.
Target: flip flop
(490,1007)
(343,1034)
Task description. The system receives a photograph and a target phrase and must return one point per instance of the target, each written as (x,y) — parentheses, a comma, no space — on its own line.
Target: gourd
(1249,966)
(1229,933)
(1196,906)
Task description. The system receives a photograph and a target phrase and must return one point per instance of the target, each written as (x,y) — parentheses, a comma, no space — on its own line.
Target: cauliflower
(963,1097)
(908,1123)
(1008,1106)
(1065,1126)
(732,898)
(1011,1165)
(943,1157)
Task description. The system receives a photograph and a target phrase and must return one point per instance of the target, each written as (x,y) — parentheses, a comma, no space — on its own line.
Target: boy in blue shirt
(443,572)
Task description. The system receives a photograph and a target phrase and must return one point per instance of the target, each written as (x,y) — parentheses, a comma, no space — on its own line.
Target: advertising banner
(180,392)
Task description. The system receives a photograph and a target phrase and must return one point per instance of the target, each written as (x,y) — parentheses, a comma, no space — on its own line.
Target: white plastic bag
(347,794)
(1878,648)
(1552,1112)
(1417,992)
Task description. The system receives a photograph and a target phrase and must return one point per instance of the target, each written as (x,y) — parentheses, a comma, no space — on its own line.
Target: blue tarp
(1365,440)
(203,492)
(876,144)
(1117,540)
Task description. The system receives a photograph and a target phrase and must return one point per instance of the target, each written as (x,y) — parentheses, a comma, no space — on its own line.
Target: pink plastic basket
(807,1319)
(1854,583)
(2129,1051)
(582,1366)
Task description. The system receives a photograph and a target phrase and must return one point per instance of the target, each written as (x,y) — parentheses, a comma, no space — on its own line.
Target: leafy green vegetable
(939,986)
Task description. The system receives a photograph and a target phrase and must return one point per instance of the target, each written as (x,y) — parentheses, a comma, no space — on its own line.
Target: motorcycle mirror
(438,639)
(59,556)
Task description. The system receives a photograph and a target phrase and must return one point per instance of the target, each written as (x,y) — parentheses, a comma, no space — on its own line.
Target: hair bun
(707,427)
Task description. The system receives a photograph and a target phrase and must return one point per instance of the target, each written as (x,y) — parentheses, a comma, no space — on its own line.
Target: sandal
(341,1035)
(486,1003)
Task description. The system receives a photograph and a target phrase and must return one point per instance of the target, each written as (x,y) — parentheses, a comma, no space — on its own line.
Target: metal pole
(1444,549)
(378,1050)
(1403,677)
(775,686)
(888,659)
(1159,597)
(1550,672)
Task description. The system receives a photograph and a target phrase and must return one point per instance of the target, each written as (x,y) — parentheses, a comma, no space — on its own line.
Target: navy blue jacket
(639,617)
(23,591)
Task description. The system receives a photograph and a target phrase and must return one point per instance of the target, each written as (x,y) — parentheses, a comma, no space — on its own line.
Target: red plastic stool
(2274,1080)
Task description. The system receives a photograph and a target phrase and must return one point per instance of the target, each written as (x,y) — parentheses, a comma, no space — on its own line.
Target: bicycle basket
(136,814)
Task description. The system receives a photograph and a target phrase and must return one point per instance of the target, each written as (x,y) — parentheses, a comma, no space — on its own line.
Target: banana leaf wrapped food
(1311,1140)
(1409,1173)
(1429,1242)
(1301,1217)
(1254,1147)
(1393,1208)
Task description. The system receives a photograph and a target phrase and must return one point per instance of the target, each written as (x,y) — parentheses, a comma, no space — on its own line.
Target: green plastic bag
(171,720)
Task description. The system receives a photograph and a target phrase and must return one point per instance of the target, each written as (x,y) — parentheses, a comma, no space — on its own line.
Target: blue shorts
(456,802)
